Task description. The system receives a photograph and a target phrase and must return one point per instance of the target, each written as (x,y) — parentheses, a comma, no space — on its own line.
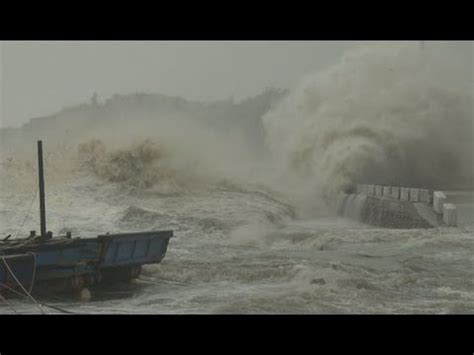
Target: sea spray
(383,114)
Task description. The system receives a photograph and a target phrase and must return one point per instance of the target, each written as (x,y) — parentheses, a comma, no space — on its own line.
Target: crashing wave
(384,114)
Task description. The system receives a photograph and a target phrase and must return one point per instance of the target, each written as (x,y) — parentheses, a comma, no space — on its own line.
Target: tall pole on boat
(41,189)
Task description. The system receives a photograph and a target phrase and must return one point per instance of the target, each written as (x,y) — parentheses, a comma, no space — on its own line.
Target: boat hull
(15,270)
(64,264)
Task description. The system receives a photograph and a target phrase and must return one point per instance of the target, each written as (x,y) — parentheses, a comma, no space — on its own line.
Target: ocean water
(243,251)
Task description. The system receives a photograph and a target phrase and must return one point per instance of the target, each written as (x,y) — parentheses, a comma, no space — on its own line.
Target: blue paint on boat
(80,251)
(62,258)
(133,248)
(22,266)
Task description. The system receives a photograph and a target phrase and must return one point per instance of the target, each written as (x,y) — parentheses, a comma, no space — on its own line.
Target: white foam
(383,113)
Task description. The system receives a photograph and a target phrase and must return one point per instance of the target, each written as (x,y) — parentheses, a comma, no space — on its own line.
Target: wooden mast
(41,189)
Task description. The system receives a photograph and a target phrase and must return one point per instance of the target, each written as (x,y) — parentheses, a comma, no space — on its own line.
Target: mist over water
(385,114)
(249,189)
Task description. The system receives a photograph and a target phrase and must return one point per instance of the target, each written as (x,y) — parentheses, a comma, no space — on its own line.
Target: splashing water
(383,114)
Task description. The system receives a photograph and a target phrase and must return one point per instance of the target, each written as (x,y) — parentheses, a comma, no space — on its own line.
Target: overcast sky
(39,78)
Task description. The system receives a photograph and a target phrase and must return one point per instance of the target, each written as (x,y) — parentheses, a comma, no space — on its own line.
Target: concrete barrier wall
(446,211)
(378,190)
(449,214)
(371,190)
(395,192)
(388,213)
(414,195)
(439,199)
(424,195)
(404,194)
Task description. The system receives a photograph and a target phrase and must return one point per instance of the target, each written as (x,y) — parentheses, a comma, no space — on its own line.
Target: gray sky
(39,78)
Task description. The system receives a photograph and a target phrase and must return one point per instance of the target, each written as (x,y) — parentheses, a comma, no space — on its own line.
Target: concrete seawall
(397,207)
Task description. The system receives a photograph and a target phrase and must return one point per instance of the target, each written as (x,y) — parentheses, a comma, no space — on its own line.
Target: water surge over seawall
(385,113)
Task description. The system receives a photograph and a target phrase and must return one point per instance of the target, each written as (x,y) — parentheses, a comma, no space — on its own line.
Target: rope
(158,280)
(43,304)
(8,303)
(21,285)
(57,308)
(27,214)
(12,290)
(33,277)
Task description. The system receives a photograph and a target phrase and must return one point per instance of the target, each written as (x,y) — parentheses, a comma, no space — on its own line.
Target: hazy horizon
(39,78)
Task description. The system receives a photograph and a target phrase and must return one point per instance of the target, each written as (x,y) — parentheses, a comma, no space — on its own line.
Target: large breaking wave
(385,113)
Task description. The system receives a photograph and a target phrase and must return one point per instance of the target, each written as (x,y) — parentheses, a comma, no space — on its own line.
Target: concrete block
(405,194)
(395,192)
(449,214)
(378,190)
(439,199)
(386,191)
(414,195)
(424,195)
(371,190)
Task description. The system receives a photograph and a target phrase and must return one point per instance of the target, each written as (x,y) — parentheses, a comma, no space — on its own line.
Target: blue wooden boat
(65,263)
